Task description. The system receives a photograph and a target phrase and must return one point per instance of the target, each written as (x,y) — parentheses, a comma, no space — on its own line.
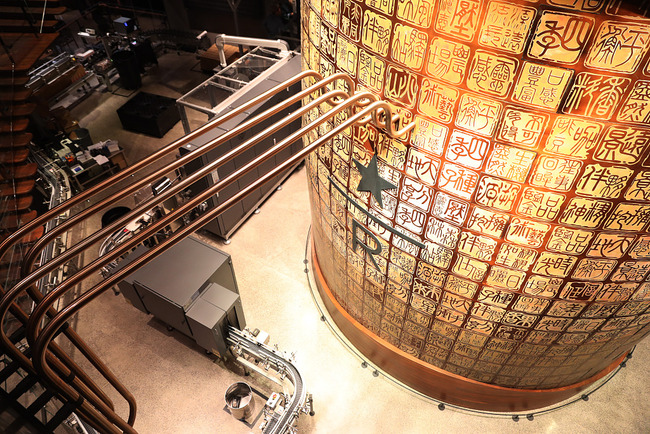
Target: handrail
(169,149)
(83,382)
(223,39)
(46,335)
(43,362)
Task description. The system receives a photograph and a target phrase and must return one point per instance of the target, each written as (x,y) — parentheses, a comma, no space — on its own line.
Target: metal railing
(47,359)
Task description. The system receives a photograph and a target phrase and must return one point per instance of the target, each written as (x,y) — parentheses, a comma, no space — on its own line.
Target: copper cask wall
(519,254)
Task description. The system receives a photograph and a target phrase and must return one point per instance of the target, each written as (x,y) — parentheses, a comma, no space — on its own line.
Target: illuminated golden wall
(526,179)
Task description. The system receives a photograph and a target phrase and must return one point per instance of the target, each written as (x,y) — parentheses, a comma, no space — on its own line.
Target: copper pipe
(62,207)
(40,244)
(36,295)
(41,271)
(51,297)
(71,309)
(32,328)
(219,186)
(166,194)
(23,318)
(37,319)
(50,329)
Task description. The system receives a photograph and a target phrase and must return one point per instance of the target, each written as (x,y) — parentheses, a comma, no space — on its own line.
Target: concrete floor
(179,389)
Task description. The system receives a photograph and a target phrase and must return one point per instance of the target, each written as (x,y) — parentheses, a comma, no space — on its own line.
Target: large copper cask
(507,266)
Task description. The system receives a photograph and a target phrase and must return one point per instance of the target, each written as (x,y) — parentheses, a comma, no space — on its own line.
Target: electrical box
(123,25)
(192,288)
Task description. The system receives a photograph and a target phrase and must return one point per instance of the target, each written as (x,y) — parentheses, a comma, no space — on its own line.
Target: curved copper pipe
(46,335)
(20,233)
(168,193)
(50,298)
(51,265)
(62,207)
(36,295)
(23,318)
(41,362)
(220,185)
(40,244)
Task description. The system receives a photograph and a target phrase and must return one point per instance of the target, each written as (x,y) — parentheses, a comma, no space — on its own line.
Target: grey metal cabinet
(225,224)
(192,288)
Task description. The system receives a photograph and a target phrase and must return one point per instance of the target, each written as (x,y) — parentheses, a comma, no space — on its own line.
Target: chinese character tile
(531,305)
(416,12)
(448,208)
(628,217)
(505,278)
(401,85)
(487,222)
(506,26)
(478,114)
(437,100)
(579,5)
(639,189)
(385,6)
(543,286)
(539,204)
(618,46)
(595,95)
(509,162)
(594,269)
(442,233)
(611,245)
(460,286)
(517,257)
(572,137)
(497,193)
(408,46)
(429,136)
(458,18)
(457,180)
(560,37)
(371,70)
(491,74)
(447,60)
(527,233)
(467,149)
(430,274)
(586,213)
(477,246)
(375,33)
(541,85)
(347,54)
(605,182)
(470,268)
(554,264)
(522,127)
(555,173)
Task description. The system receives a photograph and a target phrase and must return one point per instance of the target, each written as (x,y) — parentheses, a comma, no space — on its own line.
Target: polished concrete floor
(180,389)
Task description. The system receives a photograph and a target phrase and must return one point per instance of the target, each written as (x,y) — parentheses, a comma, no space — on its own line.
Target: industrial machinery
(324,102)
(256,72)
(281,409)
(205,305)
(201,304)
